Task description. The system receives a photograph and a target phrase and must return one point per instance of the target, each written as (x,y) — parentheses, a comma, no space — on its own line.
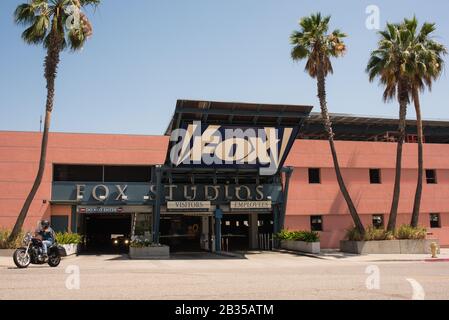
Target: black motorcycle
(32,253)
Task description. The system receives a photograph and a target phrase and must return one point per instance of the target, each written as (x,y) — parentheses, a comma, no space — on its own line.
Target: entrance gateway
(235,201)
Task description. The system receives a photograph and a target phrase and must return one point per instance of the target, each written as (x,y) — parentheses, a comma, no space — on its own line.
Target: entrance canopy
(237,113)
(232,137)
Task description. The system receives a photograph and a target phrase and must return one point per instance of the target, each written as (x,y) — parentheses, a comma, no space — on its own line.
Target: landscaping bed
(405,240)
(145,249)
(302,241)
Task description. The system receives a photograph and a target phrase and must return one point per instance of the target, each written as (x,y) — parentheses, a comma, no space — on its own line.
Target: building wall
(356,158)
(19,156)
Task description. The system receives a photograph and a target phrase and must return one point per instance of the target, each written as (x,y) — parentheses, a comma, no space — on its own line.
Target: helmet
(45,224)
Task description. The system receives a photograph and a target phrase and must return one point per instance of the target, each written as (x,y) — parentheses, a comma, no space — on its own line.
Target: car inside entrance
(107,233)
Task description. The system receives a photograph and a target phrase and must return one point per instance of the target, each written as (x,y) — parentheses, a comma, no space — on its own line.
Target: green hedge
(68,238)
(307,236)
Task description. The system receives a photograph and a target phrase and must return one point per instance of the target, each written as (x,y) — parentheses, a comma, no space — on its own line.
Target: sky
(146,54)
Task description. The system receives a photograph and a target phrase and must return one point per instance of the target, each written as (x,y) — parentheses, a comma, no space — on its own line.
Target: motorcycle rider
(48,236)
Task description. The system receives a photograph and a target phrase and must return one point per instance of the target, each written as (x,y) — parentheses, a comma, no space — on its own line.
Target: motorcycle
(32,253)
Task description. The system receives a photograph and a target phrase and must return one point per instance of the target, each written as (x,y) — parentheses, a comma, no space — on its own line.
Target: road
(269,275)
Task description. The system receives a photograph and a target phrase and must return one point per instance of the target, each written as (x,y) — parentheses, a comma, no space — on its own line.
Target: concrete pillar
(205,233)
(218,214)
(253,231)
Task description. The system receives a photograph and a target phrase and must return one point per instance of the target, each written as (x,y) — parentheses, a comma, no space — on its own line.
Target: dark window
(127,174)
(431,176)
(94,173)
(314,175)
(378,221)
(435,221)
(62,172)
(316,223)
(60,223)
(374,176)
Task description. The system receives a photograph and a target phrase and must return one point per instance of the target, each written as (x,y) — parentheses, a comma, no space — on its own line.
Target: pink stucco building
(366,151)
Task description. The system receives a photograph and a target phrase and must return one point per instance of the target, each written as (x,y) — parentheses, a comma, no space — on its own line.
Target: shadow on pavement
(173,256)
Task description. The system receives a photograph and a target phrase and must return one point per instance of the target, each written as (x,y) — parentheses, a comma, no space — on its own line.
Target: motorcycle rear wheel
(21,258)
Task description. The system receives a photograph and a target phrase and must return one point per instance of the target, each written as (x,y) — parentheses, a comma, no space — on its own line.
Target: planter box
(68,249)
(309,247)
(388,246)
(159,252)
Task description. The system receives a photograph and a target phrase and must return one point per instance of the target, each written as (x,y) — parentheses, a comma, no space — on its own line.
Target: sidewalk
(329,254)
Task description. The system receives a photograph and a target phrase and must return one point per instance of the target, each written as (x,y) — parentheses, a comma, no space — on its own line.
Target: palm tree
(389,63)
(425,66)
(314,43)
(56,24)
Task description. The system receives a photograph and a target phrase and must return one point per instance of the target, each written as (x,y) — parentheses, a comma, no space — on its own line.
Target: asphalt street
(257,275)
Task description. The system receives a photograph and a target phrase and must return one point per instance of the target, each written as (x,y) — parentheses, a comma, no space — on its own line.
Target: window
(374,176)
(435,221)
(378,221)
(431,176)
(62,172)
(316,223)
(127,174)
(314,175)
(94,173)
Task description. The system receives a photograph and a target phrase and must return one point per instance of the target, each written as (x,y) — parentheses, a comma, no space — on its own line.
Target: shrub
(4,244)
(352,234)
(307,236)
(408,232)
(375,234)
(284,235)
(141,243)
(68,238)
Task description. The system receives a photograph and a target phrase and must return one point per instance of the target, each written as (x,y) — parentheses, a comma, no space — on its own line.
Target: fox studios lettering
(262,148)
(111,193)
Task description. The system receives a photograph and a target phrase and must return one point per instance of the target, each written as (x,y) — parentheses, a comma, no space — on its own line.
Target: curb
(437,260)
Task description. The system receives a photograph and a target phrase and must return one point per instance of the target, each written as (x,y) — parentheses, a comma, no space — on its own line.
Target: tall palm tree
(389,63)
(425,66)
(56,24)
(313,43)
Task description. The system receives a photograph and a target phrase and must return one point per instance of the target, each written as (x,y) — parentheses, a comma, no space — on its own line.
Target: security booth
(223,185)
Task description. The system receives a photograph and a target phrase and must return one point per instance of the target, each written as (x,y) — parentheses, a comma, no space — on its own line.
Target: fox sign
(263,148)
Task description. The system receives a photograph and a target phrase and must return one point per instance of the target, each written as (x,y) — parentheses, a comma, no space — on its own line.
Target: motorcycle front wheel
(54,260)
(21,258)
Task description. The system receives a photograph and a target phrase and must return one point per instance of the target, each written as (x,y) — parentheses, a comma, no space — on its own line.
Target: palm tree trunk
(51,65)
(418,193)
(321,83)
(403,100)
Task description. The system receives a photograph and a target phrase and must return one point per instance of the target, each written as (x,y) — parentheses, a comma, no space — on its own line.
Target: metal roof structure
(371,128)
(346,126)
(237,113)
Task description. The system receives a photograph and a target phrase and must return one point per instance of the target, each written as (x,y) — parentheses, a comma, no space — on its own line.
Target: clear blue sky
(145,54)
